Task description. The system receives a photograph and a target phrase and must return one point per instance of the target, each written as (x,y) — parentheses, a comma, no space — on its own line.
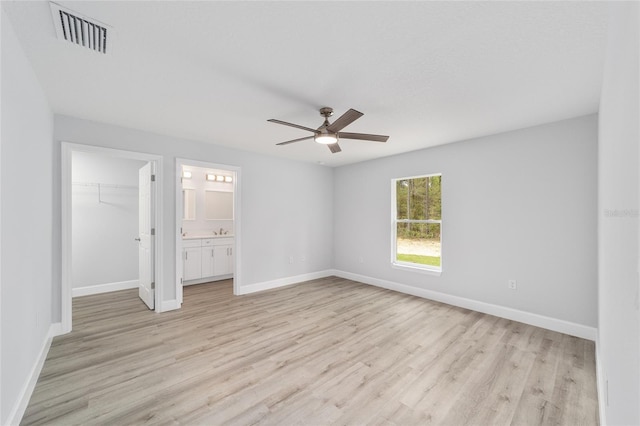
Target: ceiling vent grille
(80,30)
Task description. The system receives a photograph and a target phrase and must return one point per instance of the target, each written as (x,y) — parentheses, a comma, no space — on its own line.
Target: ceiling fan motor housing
(326,112)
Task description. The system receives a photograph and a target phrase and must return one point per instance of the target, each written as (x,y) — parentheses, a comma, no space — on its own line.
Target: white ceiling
(425,73)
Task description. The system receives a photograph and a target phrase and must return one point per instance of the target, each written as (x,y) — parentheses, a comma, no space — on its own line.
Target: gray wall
(286,205)
(518,205)
(26,212)
(618,328)
(104,227)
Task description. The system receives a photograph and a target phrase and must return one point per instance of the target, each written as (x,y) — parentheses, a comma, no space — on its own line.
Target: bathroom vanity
(207,258)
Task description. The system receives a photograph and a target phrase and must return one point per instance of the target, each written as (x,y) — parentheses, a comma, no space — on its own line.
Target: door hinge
(180,280)
(153,178)
(153,285)
(153,231)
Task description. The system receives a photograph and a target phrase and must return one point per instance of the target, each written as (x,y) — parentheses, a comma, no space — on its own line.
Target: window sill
(411,268)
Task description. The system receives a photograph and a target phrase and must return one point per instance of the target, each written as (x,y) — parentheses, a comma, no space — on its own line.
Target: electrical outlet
(290,260)
(361,259)
(302,258)
(513,284)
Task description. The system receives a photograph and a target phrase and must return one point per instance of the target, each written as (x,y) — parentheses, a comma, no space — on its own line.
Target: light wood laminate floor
(328,351)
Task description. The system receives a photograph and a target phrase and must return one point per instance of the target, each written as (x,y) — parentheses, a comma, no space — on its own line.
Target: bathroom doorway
(207,223)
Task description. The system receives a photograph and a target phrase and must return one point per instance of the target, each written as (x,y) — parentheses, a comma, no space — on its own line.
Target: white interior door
(146,285)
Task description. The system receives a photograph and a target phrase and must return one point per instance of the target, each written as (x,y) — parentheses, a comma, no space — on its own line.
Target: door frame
(67,149)
(237,249)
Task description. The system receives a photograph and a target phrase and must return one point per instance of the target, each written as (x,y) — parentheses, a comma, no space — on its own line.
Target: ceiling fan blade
(363,136)
(295,140)
(334,147)
(344,120)
(273,120)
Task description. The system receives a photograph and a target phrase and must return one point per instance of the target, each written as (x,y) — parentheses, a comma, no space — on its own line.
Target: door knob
(137,239)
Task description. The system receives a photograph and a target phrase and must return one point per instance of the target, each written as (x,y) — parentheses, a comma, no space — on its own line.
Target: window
(417,222)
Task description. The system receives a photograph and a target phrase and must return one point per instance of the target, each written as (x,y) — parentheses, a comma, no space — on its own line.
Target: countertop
(203,236)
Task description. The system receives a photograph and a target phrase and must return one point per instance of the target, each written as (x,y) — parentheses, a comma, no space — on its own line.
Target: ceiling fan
(329,133)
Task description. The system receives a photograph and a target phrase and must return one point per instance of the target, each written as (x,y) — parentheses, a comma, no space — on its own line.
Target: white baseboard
(55,330)
(537,320)
(103,288)
(169,305)
(207,280)
(281,282)
(15,415)
(601,386)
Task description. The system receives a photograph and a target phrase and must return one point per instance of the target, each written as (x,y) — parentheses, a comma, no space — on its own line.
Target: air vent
(80,30)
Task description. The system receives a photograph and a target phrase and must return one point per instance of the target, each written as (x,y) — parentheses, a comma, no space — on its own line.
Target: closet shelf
(102,186)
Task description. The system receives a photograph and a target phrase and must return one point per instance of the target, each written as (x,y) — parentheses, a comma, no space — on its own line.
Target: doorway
(207,223)
(108,193)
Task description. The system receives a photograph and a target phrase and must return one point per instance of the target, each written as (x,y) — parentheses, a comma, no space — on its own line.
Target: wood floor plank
(327,351)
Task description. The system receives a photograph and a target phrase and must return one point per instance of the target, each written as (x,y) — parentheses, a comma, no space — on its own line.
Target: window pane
(402,204)
(434,198)
(418,198)
(418,243)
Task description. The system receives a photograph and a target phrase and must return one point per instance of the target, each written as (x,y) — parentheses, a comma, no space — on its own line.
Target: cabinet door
(221,260)
(192,263)
(207,262)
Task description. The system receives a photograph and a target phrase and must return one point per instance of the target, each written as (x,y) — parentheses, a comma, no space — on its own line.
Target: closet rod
(103,185)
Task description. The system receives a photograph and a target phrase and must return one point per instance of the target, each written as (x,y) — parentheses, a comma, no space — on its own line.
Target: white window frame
(408,266)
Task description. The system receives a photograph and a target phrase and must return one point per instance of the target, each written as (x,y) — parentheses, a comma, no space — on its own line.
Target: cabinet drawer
(222,241)
(191,243)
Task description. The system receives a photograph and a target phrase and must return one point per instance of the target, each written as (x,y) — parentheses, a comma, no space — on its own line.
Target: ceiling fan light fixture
(326,138)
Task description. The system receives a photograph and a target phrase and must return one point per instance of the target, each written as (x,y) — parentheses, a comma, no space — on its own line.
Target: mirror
(188,204)
(218,205)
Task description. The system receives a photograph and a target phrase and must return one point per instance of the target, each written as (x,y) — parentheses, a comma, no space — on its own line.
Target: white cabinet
(223,256)
(223,259)
(192,263)
(207,261)
(207,258)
